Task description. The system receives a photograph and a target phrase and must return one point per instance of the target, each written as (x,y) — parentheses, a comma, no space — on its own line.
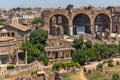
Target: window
(13,34)
(4,60)
(8,34)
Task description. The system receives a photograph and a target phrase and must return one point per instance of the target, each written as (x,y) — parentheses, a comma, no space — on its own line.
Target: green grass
(96,75)
(106,73)
(24,74)
(48,70)
(66,76)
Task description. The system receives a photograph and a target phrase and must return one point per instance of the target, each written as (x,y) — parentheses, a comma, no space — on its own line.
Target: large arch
(81,23)
(102,22)
(61,21)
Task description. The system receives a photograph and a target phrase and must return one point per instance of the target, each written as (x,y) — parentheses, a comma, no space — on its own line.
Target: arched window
(8,34)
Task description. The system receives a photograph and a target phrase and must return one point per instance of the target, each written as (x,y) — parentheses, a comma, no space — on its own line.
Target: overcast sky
(56,3)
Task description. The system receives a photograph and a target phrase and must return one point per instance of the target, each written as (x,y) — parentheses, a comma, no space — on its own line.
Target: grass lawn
(24,74)
(48,70)
(67,76)
(79,75)
(106,73)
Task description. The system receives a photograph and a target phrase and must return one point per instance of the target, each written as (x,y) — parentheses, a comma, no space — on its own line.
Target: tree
(2,21)
(80,57)
(35,46)
(37,20)
(115,77)
(78,43)
(33,52)
(38,37)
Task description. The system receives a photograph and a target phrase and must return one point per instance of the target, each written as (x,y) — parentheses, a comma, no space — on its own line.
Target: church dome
(3,31)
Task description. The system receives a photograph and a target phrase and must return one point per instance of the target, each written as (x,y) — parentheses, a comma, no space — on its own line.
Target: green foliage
(93,53)
(88,44)
(46,61)
(56,66)
(71,64)
(80,57)
(115,77)
(40,47)
(38,36)
(110,64)
(10,67)
(2,21)
(33,72)
(35,46)
(78,43)
(36,21)
(16,9)
(100,65)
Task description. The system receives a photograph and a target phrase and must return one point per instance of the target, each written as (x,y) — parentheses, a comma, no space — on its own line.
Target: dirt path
(79,76)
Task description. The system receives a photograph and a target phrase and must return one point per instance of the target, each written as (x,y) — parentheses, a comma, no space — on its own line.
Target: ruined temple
(57,49)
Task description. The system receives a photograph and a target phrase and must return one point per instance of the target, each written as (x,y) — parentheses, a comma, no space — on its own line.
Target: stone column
(70,27)
(16,56)
(92,26)
(0,61)
(26,57)
(71,30)
(110,27)
(9,59)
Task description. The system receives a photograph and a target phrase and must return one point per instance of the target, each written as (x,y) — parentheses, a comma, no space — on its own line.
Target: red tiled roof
(19,26)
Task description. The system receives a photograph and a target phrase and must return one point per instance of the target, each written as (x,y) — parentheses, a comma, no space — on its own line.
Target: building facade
(11,38)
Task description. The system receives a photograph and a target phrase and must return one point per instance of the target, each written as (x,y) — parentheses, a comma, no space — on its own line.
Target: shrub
(32,73)
(100,65)
(46,61)
(110,61)
(110,64)
(56,66)
(115,77)
(10,67)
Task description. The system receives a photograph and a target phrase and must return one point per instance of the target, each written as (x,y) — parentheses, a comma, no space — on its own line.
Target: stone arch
(102,22)
(81,23)
(60,20)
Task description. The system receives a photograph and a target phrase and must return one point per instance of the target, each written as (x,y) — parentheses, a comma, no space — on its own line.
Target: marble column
(16,56)
(71,31)
(0,61)
(25,57)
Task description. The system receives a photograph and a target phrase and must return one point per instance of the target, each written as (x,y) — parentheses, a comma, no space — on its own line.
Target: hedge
(56,66)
